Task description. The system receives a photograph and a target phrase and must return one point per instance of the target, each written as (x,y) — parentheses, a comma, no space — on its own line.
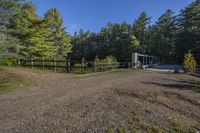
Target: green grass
(9,82)
(118,71)
(123,71)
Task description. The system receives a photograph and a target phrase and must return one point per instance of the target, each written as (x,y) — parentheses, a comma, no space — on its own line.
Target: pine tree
(40,46)
(84,46)
(58,36)
(162,36)
(188,37)
(141,32)
(10,12)
(34,35)
(26,27)
(166,28)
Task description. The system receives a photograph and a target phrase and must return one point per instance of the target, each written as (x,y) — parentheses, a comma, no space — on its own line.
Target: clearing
(141,101)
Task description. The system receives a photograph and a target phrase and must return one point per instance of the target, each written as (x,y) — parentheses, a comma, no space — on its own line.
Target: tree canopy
(26,35)
(37,37)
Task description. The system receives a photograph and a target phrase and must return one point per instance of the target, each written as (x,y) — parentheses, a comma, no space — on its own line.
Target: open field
(137,101)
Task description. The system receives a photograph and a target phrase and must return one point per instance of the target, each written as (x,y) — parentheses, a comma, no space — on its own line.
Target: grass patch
(9,81)
(137,125)
(117,71)
(123,71)
(37,70)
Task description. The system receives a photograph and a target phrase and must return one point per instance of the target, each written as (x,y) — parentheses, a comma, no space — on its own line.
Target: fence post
(83,64)
(54,65)
(143,61)
(157,60)
(135,59)
(42,63)
(132,62)
(151,61)
(146,60)
(19,62)
(95,65)
(66,65)
(32,63)
(69,65)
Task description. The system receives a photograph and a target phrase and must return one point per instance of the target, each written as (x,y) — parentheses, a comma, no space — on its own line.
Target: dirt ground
(60,103)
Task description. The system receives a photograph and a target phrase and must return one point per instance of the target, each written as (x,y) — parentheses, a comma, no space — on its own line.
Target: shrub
(190,62)
(7,62)
(108,61)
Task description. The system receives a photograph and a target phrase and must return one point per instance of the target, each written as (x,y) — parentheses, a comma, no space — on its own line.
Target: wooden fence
(72,66)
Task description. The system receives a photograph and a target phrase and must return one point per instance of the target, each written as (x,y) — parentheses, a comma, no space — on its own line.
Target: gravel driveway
(60,103)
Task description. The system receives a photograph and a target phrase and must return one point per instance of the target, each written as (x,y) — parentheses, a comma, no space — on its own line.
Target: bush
(7,62)
(190,62)
(108,61)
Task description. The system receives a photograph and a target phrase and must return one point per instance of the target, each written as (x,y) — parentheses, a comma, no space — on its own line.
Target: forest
(23,34)
(109,80)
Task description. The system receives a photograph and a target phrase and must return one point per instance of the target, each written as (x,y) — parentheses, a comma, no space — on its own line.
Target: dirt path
(63,104)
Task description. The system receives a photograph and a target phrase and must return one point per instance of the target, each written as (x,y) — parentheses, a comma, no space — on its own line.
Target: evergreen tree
(58,36)
(141,32)
(103,44)
(121,41)
(84,46)
(27,35)
(188,37)
(26,27)
(76,53)
(39,44)
(115,39)
(10,12)
(162,36)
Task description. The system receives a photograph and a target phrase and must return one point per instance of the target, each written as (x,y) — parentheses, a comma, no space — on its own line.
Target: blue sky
(94,14)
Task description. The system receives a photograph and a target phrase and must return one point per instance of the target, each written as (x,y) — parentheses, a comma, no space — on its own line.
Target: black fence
(72,66)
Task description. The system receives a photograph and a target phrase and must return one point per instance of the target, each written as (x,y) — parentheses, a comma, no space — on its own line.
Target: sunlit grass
(9,81)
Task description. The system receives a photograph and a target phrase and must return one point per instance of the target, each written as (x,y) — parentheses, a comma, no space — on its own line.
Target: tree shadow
(195,75)
(181,85)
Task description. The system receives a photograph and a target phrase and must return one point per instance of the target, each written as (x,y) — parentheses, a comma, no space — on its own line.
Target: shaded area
(169,66)
(182,85)
(195,75)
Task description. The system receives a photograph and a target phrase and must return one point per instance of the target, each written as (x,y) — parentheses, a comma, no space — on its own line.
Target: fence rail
(71,66)
(138,61)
